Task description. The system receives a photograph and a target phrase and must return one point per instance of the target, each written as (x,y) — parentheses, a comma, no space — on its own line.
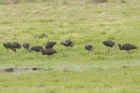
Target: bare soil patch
(32,69)
(18,70)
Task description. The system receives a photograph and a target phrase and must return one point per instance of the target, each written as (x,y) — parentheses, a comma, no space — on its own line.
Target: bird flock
(48,50)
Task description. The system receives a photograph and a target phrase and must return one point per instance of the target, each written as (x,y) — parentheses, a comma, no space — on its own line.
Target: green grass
(71,71)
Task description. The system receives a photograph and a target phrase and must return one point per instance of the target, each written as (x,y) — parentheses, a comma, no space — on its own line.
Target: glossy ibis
(36,48)
(127,47)
(8,46)
(16,45)
(89,47)
(26,46)
(50,45)
(48,52)
(67,43)
(109,43)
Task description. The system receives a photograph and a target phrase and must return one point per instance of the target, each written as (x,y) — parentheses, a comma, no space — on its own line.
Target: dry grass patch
(16,1)
(99,1)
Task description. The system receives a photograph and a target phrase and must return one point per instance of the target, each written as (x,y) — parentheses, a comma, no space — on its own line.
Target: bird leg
(67,48)
(129,52)
(88,52)
(115,46)
(7,49)
(108,49)
(50,57)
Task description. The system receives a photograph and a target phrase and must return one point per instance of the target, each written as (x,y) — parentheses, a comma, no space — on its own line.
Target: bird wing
(128,46)
(65,42)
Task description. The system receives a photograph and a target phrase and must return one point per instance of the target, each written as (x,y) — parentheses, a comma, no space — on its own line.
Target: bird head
(113,43)
(55,51)
(72,44)
(14,49)
(54,42)
(41,50)
(30,50)
(119,45)
(20,46)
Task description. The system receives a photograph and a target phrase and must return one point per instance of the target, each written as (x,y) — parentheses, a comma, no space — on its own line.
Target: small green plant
(99,57)
(111,37)
(42,35)
(65,2)
(103,32)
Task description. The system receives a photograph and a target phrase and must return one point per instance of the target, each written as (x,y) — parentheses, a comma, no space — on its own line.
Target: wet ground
(33,69)
(18,70)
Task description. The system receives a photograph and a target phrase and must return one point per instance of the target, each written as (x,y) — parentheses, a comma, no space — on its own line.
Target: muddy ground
(18,70)
(31,69)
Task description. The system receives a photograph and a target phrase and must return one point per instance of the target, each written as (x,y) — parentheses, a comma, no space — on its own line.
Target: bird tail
(134,47)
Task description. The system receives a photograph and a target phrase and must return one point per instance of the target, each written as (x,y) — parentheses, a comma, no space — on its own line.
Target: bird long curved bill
(116,46)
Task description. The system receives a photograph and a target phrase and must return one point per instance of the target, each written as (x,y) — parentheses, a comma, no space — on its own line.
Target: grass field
(74,70)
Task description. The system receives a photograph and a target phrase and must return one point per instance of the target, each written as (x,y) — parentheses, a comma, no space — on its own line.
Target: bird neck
(43,52)
(13,49)
(120,47)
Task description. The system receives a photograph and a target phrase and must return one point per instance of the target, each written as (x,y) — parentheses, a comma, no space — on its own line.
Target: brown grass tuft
(15,1)
(99,1)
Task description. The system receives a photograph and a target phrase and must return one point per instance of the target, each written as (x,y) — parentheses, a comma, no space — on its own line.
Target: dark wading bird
(127,47)
(8,46)
(36,48)
(49,45)
(109,44)
(67,43)
(89,47)
(48,52)
(16,45)
(26,46)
